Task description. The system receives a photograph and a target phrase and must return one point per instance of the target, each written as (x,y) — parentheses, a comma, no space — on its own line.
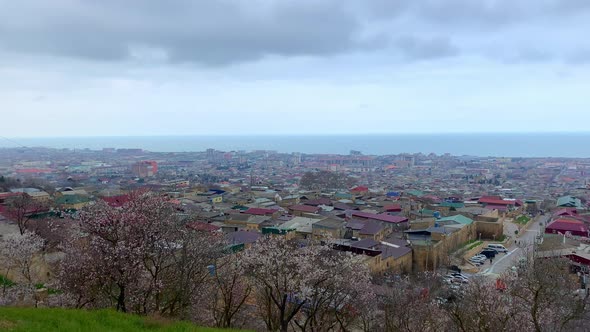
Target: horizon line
(312,134)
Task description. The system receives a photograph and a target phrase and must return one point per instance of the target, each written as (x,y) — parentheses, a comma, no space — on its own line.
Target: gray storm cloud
(224,32)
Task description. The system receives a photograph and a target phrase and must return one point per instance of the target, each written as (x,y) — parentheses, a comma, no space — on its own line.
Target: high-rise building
(144,169)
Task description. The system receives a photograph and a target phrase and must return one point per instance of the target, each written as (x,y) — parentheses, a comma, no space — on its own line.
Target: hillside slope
(70,320)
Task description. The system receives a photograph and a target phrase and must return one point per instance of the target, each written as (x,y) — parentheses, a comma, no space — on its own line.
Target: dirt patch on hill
(6,325)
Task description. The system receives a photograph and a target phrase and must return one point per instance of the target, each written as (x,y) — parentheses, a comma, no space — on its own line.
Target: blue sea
(575,145)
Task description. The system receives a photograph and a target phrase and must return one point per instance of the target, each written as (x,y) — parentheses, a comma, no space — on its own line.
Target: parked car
(489,253)
(448,279)
(454,268)
(498,247)
(461,275)
(458,278)
(478,259)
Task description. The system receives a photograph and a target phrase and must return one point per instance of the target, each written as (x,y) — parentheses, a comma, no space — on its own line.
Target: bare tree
(142,257)
(339,290)
(18,252)
(230,288)
(546,291)
(409,305)
(21,208)
(481,307)
(312,288)
(280,272)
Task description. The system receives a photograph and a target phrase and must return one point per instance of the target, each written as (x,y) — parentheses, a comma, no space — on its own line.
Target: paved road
(526,242)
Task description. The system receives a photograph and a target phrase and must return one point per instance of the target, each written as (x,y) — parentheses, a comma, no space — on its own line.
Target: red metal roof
(393,208)
(259,211)
(304,208)
(566,212)
(567,225)
(495,201)
(359,189)
(579,259)
(8,194)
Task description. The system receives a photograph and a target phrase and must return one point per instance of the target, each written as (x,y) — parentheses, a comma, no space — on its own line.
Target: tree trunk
(121,299)
(284,326)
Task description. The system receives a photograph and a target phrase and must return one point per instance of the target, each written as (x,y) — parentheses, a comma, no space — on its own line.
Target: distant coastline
(570,145)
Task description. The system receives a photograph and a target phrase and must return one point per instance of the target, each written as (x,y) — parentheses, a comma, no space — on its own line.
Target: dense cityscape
(420,230)
(285,166)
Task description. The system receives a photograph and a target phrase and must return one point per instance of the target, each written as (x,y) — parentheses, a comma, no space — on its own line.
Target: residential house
(569,201)
(302,210)
(373,230)
(499,203)
(564,226)
(263,212)
(329,227)
(40,196)
(246,221)
(395,223)
(299,227)
(71,202)
(204,227)
(359,190)
(387,256)
(242,239)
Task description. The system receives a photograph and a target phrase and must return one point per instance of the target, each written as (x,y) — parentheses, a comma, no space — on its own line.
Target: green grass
(466,244)
(6,282)
(70,320)
(522,219)
(473,245)
(50,291)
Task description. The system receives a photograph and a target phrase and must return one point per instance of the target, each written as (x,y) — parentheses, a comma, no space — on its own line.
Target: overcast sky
(188,67)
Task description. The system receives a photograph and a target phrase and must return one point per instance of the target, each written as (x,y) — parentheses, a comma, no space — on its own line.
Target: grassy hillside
(67,320)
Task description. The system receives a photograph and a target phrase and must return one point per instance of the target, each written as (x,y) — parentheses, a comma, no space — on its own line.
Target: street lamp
(479,236)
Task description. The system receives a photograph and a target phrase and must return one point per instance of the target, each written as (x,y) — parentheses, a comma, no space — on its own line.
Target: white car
(448,279)
(478,258)
(457,279)
(498,247)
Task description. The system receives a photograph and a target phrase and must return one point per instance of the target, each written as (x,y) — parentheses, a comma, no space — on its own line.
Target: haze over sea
(576,145)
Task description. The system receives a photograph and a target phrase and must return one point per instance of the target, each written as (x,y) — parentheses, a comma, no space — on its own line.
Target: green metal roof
(452,205)
(414,192)
(461,219)
(426,212)
(71,199)
(569,201)
(276,230)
